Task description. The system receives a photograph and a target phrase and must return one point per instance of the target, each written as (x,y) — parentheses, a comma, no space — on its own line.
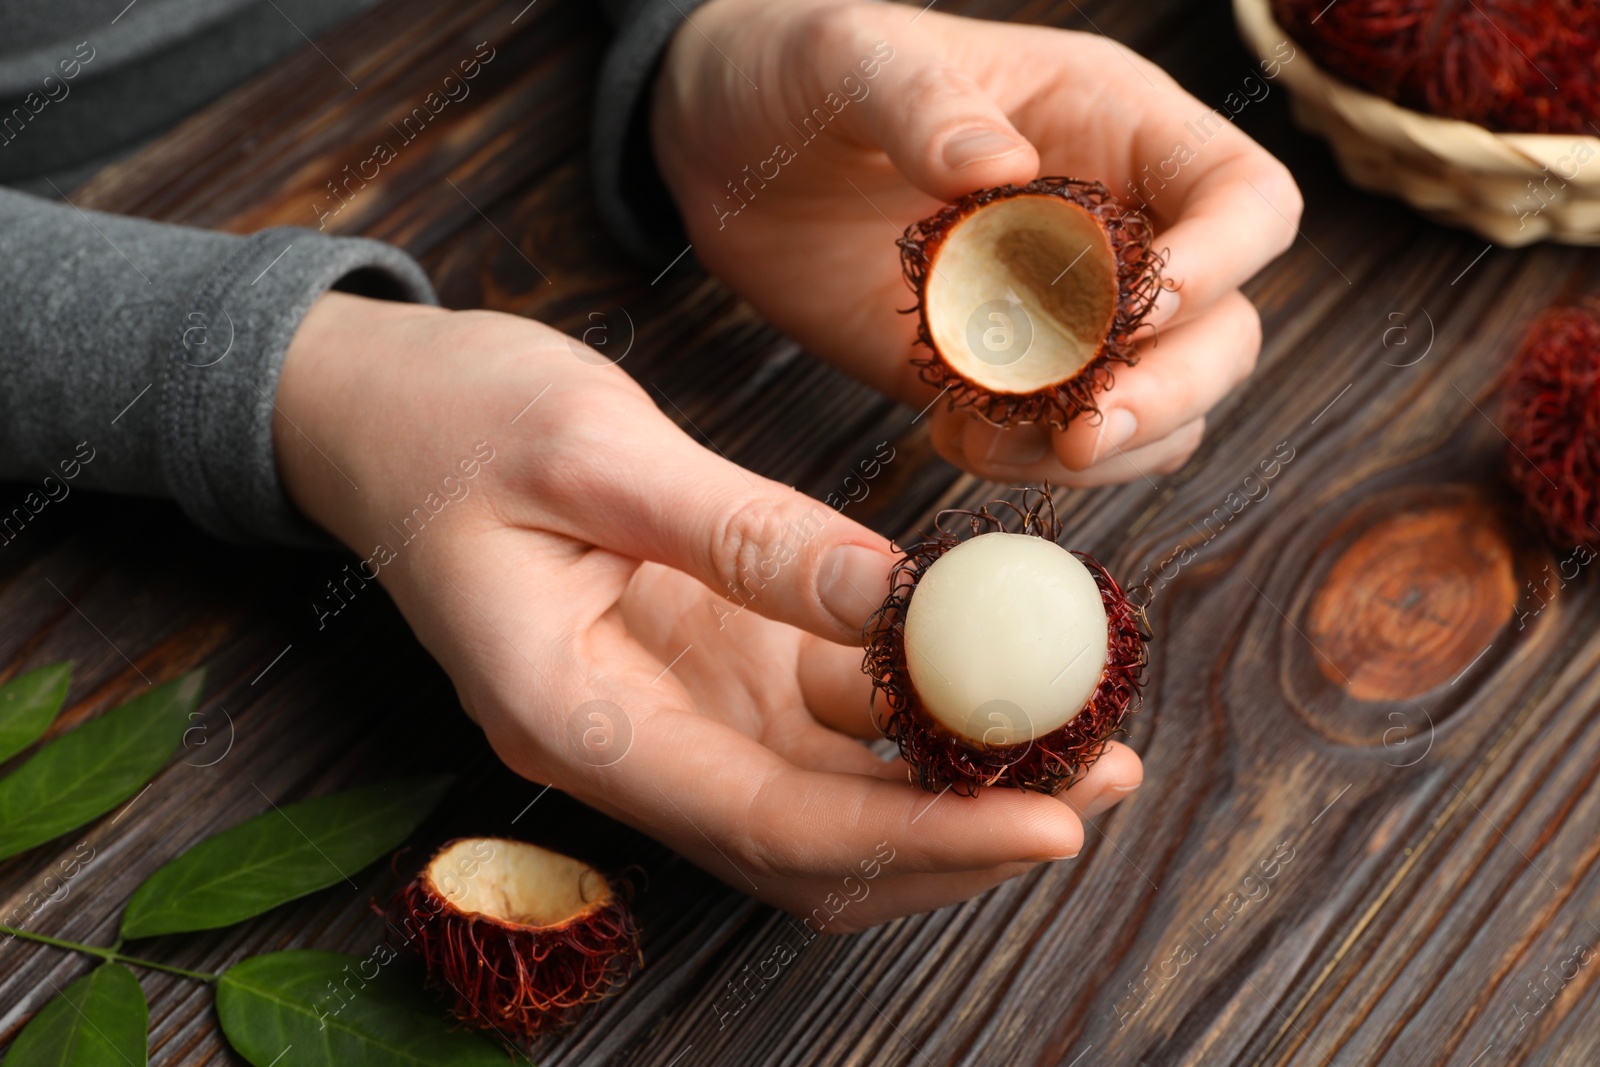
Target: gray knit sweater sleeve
(143,358)
(632,198)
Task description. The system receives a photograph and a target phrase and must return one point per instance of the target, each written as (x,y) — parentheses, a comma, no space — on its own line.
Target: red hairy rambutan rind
(940,757)
(1552,416)
(519,938)
(1514,66)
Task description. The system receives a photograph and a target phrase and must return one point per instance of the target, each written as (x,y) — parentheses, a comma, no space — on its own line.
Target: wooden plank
(1432,852)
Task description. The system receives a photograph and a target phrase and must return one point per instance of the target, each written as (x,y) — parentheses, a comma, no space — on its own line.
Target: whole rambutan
(518,937)
(1002,658)
(1028,296)
(1552,419)
(1514,66)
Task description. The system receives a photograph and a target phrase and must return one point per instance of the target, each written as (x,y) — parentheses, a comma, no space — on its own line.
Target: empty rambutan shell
(1552,420)
(1001,658)
(518,937)
(1028,296)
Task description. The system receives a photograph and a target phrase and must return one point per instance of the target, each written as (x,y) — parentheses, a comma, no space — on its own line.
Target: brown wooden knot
(1414,600)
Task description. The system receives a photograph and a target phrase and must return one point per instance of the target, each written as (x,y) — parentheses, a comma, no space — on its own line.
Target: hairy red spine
(1552,417)
(1517,66)
(514,978)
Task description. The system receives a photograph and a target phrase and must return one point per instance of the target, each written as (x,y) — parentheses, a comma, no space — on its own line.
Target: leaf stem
(110,955)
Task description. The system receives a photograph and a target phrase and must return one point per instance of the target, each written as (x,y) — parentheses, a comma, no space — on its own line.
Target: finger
(689,778)
(1176,381)
(651,493)
(1222,205)
(836,690)
(951,440)
(815,747)
(994,448)
(1227,209)
(1145,464)
(880,891)
(810,820)
(1241,212)
(1115,776)
(936,124)
(888,896)
(746,692)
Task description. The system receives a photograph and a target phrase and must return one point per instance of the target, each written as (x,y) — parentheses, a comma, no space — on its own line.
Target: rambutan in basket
(1510,188)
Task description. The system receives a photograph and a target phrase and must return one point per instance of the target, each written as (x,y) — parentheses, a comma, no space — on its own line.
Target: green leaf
(84,774)
(279,855)
(98,1021)
(29,704)
(307,1009)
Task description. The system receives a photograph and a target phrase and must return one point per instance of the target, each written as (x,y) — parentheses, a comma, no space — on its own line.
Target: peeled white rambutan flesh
(1006,638)
(1001,658)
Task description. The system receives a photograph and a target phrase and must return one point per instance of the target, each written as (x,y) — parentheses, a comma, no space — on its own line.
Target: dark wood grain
(1370,827)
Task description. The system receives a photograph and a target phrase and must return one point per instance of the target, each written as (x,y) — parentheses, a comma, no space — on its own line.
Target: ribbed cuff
(218,397)
(633,200)
(143,358)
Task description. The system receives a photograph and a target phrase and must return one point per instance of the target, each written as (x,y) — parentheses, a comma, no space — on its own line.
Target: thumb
(939,127)
(760,545)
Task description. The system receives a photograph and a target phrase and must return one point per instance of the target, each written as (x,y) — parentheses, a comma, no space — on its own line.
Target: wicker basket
(1453,172)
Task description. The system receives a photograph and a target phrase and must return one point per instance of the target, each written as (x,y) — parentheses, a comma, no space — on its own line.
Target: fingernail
(1164,307)
(1055,859)
(853,583)
(1018,447)
(1114,431)
(975,146)
(1107,798)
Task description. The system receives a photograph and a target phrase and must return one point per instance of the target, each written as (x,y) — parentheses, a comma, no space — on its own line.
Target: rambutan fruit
(1514,66)
(1552,419)
(1002,658)
(1028,296)
(519,937)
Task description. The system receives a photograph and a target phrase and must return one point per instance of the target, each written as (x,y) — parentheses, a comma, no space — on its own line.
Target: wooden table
(1370,827)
